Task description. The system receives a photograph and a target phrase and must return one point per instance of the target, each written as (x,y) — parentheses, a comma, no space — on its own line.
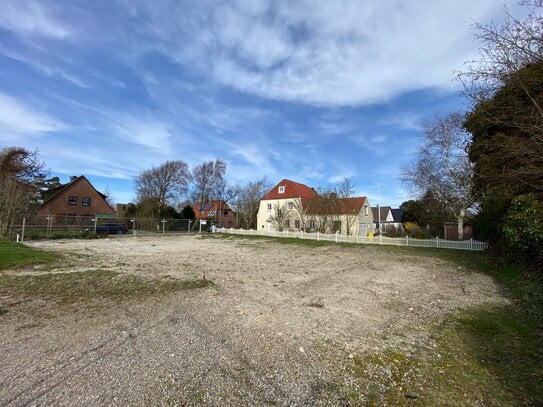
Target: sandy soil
(271,307)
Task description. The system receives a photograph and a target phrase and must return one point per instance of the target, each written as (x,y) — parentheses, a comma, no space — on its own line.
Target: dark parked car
(112,228)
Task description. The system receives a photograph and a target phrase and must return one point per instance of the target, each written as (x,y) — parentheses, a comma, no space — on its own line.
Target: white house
(293,206)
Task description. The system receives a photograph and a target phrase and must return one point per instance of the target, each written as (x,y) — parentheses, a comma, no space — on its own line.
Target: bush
(523,229)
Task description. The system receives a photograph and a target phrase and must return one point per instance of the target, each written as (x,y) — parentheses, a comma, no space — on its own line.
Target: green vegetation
(485,355)
(282,240)
(13,255)
(80,287)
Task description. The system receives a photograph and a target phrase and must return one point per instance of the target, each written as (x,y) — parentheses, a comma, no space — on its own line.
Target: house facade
(75,203)
(218,212)
(293,206)
(390,218)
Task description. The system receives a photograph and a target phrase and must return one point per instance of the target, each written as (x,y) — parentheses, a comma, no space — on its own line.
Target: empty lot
(280,325)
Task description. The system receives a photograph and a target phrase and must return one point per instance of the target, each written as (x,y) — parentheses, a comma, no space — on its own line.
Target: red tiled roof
(204,210)
(337,206)
(292,190)
(350,206)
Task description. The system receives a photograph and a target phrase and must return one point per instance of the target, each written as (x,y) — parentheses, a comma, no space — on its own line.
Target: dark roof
(384,213)
(397,214)
(292,190)
(53,192)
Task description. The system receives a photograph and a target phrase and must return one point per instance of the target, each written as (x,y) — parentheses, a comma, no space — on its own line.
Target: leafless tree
(248,202)
(165,183)
(19,170)
(323,207)
(346,205)
(280,215)
(505,50)
(442,166)
(208,181)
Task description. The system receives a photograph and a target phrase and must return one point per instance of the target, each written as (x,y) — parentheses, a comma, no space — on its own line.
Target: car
(112,228)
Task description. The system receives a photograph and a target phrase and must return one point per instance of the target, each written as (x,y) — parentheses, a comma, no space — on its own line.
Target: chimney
(73,178)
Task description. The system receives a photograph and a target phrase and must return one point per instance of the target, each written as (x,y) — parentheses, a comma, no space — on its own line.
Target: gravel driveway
(282,324)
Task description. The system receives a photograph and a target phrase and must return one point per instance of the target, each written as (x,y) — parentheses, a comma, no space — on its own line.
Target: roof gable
(286,189)
(210,209)
(50,194)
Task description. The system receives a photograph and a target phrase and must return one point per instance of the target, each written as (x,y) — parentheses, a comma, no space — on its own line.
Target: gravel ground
(281,325)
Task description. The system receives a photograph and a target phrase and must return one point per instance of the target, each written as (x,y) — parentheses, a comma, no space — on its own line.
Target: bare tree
(442,166)
(208,180)
(248,202)
(323,206)
(165,183)
(346,205)
(505,50)
(20,171)
(279,217)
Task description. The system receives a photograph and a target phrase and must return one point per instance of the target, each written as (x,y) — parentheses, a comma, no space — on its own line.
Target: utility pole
(379,208)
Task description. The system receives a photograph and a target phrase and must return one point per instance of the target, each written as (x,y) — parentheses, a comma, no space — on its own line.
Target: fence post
(301,234)
(23,230)
(318,235)
(337,236)
(437,241)
(407,240)
(357,239)
(471,244)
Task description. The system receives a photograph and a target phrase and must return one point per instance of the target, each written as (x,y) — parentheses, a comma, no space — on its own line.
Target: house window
(290,205)
(312,224)
(366,210)
(282,189)
(269,207)
(86,201)
(287,223)
(225,213)
(297,224)
(72,200)
(336,226)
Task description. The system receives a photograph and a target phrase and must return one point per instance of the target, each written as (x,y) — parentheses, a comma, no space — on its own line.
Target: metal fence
(38,226)
(470,244)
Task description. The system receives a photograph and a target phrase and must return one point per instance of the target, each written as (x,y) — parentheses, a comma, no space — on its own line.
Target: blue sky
(313,90)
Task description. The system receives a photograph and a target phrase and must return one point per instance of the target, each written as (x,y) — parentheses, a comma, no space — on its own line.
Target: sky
(313,91)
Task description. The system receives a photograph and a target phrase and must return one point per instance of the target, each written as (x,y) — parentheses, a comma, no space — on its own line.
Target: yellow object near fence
(370,234)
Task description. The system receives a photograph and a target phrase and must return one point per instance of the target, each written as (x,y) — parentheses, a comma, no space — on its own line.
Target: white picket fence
(383,240)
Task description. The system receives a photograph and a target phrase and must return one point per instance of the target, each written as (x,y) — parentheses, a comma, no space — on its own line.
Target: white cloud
(31,17)
(17,119)
(148,133)
(324,52)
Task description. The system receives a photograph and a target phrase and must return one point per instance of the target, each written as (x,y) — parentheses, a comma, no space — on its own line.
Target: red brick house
(217,212)
(74,203)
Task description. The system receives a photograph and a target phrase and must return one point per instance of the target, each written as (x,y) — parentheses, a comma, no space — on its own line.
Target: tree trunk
(461,224)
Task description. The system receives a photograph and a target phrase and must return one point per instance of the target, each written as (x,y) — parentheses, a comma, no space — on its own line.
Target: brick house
(217,212)
(74,203)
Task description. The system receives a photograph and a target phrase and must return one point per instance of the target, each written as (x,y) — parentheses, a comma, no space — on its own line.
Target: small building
(217,212)
(386,219)
(74,203)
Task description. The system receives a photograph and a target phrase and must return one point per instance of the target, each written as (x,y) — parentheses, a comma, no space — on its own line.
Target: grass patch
(282,240)
(16,255)
(71,288)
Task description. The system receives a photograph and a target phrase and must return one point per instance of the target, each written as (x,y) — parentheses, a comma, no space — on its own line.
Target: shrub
(523,229)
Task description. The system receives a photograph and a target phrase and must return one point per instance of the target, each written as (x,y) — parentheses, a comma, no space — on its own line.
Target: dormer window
(282,189)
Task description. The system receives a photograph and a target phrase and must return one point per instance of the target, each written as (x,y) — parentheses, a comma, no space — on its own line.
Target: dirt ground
(281,325)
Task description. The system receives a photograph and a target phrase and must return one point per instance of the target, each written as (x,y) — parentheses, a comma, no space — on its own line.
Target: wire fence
(471,244)
(44,226)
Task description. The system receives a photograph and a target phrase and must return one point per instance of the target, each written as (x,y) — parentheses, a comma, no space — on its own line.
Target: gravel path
(279,327)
